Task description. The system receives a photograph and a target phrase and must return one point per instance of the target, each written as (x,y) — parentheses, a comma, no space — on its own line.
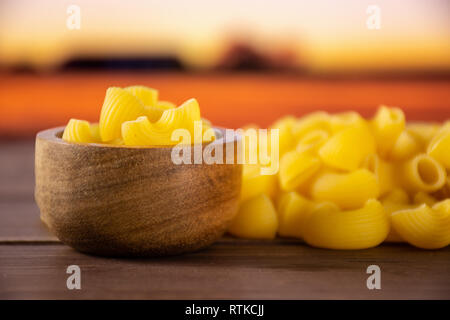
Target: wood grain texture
(16,171)
(131,201)
(19,222)
(229,269)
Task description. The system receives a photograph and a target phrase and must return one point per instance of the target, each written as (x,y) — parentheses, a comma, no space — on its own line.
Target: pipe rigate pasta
(119,106)
(361,228)
(387,126)
(347,148)
(148,96)
(142,132)
(81,131)
(439,148)
(424,227)
(423,173)
(256,219)
(293,211)
(296,168)
(347,190)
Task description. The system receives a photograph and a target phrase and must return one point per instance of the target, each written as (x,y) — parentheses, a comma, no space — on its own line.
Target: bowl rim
(55,135)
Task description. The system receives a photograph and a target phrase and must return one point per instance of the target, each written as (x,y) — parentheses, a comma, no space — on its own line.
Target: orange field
(29,103)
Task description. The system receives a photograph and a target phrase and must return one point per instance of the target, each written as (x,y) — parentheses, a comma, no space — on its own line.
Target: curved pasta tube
(387,125)
(95,131)
(422,132)
(254,183)
(153,113)
(142,132)
(346,119)
(347,190)
(81,131)
(384,171)
(439,148)
(293,211)
(310,122)
(148,96)
(424,227)
(313,140)
(347,149)
(362,228)
(256,219)
(296,168)
(119,106)
(423,173)
(404,147)
(395,200)
(286,137)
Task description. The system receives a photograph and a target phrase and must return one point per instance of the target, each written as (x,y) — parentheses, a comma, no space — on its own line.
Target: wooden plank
(19,214)
(17,170)
(19,222)
(230,269)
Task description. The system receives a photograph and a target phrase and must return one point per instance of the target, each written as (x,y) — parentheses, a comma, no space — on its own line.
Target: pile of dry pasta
(134,116)
(345,182)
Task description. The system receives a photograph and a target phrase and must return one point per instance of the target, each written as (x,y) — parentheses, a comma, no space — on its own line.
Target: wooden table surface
(33,263)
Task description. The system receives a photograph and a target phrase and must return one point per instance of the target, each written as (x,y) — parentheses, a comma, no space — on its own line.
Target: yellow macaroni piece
(422,132)
(313,121)
(423,173)
(383,170)
(347,190)
(81,131)
(313,140)
(296,168)
(254,183)
(153,113)
(344,120)
(119,106)
(256,219)
(293,211)
(347,149)
(395,200)
(142,132)
(404,147)
(148,96)
(361,228)
(439,148)
(387,126)
(286,137)
(424,227)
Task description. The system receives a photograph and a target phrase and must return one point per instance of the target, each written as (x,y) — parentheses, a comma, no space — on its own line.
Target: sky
(327,35)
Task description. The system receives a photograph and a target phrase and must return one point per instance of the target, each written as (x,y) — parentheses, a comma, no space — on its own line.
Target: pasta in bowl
(112,188)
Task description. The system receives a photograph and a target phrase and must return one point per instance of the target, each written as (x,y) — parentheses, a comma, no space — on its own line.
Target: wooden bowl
(132,201)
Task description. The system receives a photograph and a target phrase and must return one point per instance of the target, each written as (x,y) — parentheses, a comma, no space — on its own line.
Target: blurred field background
(245,61)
